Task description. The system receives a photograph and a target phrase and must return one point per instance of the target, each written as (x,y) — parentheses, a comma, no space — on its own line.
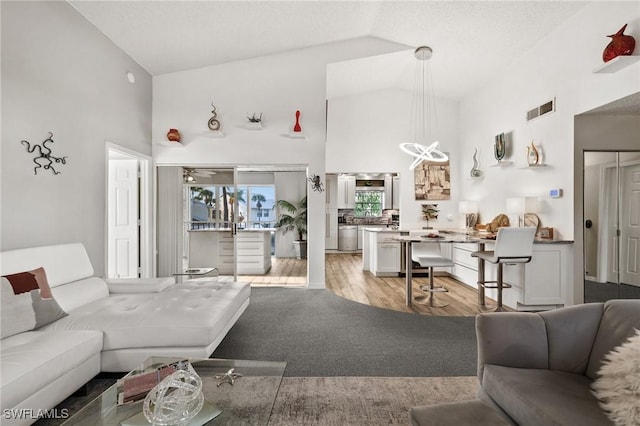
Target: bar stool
(513,245)
(428,255)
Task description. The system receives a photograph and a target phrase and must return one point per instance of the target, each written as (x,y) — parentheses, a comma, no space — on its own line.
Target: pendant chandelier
(424,121)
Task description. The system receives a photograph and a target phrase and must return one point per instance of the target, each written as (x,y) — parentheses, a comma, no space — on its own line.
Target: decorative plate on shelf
(531,219)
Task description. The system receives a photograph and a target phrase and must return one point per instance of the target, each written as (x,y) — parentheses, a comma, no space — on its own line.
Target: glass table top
(249,401)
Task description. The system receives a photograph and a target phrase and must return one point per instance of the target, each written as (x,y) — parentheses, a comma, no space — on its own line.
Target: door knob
(588,223)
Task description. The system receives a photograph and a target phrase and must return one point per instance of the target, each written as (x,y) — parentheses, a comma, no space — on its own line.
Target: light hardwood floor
(344,277)
(284,272)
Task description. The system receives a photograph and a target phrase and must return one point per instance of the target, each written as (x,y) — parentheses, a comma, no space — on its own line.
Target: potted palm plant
(293,217)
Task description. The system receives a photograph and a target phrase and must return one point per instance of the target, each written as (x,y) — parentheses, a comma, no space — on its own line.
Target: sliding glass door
(230,216)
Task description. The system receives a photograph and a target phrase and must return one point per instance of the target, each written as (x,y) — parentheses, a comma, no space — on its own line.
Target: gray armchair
(537,368)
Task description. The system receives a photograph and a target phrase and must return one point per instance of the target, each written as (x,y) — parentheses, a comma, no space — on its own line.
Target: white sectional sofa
(111,326)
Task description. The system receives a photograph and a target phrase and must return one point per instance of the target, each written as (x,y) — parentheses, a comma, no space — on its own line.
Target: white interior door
(630,226)
(123,215)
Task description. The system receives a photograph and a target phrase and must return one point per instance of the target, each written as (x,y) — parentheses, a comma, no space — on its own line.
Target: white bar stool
(428,255)
(513,245)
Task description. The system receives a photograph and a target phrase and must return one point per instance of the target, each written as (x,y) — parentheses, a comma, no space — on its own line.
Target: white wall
(364,133)
(277,86)
(561,66)
(61,75)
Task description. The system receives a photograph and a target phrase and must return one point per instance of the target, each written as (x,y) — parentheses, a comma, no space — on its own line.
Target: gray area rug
(320,334)
(363,400)
(337,401)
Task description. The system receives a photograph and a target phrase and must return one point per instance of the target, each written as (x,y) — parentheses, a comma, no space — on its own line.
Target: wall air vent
(543,109)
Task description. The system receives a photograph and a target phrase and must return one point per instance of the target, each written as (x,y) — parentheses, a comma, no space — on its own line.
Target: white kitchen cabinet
(361,233)
(346,192)
(331,192)
(385,256)
(215,249)
(388,259)
(331,229)
(543,283)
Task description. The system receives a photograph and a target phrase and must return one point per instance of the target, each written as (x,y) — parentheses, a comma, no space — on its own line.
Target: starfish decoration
(228,377)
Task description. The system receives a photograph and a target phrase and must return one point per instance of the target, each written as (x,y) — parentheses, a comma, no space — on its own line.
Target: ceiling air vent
(543,109)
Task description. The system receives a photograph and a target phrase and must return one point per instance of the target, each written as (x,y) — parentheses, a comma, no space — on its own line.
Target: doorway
(225,217)
(128,214)
(612,225)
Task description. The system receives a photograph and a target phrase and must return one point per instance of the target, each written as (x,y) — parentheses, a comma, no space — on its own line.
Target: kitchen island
(544,283)
(214,248)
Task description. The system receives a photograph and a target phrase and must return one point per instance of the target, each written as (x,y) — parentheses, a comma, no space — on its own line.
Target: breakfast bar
(544,283)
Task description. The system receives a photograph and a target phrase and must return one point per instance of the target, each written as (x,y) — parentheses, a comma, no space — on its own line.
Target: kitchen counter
(371,229)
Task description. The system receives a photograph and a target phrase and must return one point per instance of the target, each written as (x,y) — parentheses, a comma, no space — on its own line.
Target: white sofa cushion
(31,360)
(181,316)
(78,293)
(63,263)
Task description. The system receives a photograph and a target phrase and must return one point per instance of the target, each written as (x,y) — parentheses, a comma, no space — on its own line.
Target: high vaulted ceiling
(473,41)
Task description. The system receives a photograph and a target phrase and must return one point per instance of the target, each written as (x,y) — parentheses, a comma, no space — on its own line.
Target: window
(369,203)
(213,206)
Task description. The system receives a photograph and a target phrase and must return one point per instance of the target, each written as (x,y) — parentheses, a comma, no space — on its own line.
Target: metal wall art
(316,183)
(475,170)
(533,155)
(45,160)
(500,147)
(254,119)
(214,123)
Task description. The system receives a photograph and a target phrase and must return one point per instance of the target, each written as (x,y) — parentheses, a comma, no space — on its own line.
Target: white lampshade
(531,205)
(516,205)
(468,207)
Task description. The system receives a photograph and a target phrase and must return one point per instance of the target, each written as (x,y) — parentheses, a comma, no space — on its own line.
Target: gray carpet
(320,334)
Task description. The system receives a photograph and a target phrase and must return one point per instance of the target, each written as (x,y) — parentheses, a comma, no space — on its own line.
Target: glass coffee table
(195,272)
(248,401)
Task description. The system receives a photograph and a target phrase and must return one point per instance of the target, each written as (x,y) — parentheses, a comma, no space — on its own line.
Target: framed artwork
(432,180)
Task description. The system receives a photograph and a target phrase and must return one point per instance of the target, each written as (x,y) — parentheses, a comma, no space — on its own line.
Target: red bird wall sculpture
(620,44)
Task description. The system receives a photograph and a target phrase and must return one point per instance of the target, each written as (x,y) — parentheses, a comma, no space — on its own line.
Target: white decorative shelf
(213,134)
(252,126)
(169,143)
(502,164)
(534,166)
(295,135)
(616,64)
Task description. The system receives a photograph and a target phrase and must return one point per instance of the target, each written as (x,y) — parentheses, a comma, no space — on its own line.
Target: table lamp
(517,206)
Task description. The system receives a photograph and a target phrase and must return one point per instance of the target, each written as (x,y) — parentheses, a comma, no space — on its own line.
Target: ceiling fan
(190,174)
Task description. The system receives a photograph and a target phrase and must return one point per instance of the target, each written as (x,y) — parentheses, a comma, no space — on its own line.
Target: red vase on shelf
(620,45)
(174,135)
(296,127)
